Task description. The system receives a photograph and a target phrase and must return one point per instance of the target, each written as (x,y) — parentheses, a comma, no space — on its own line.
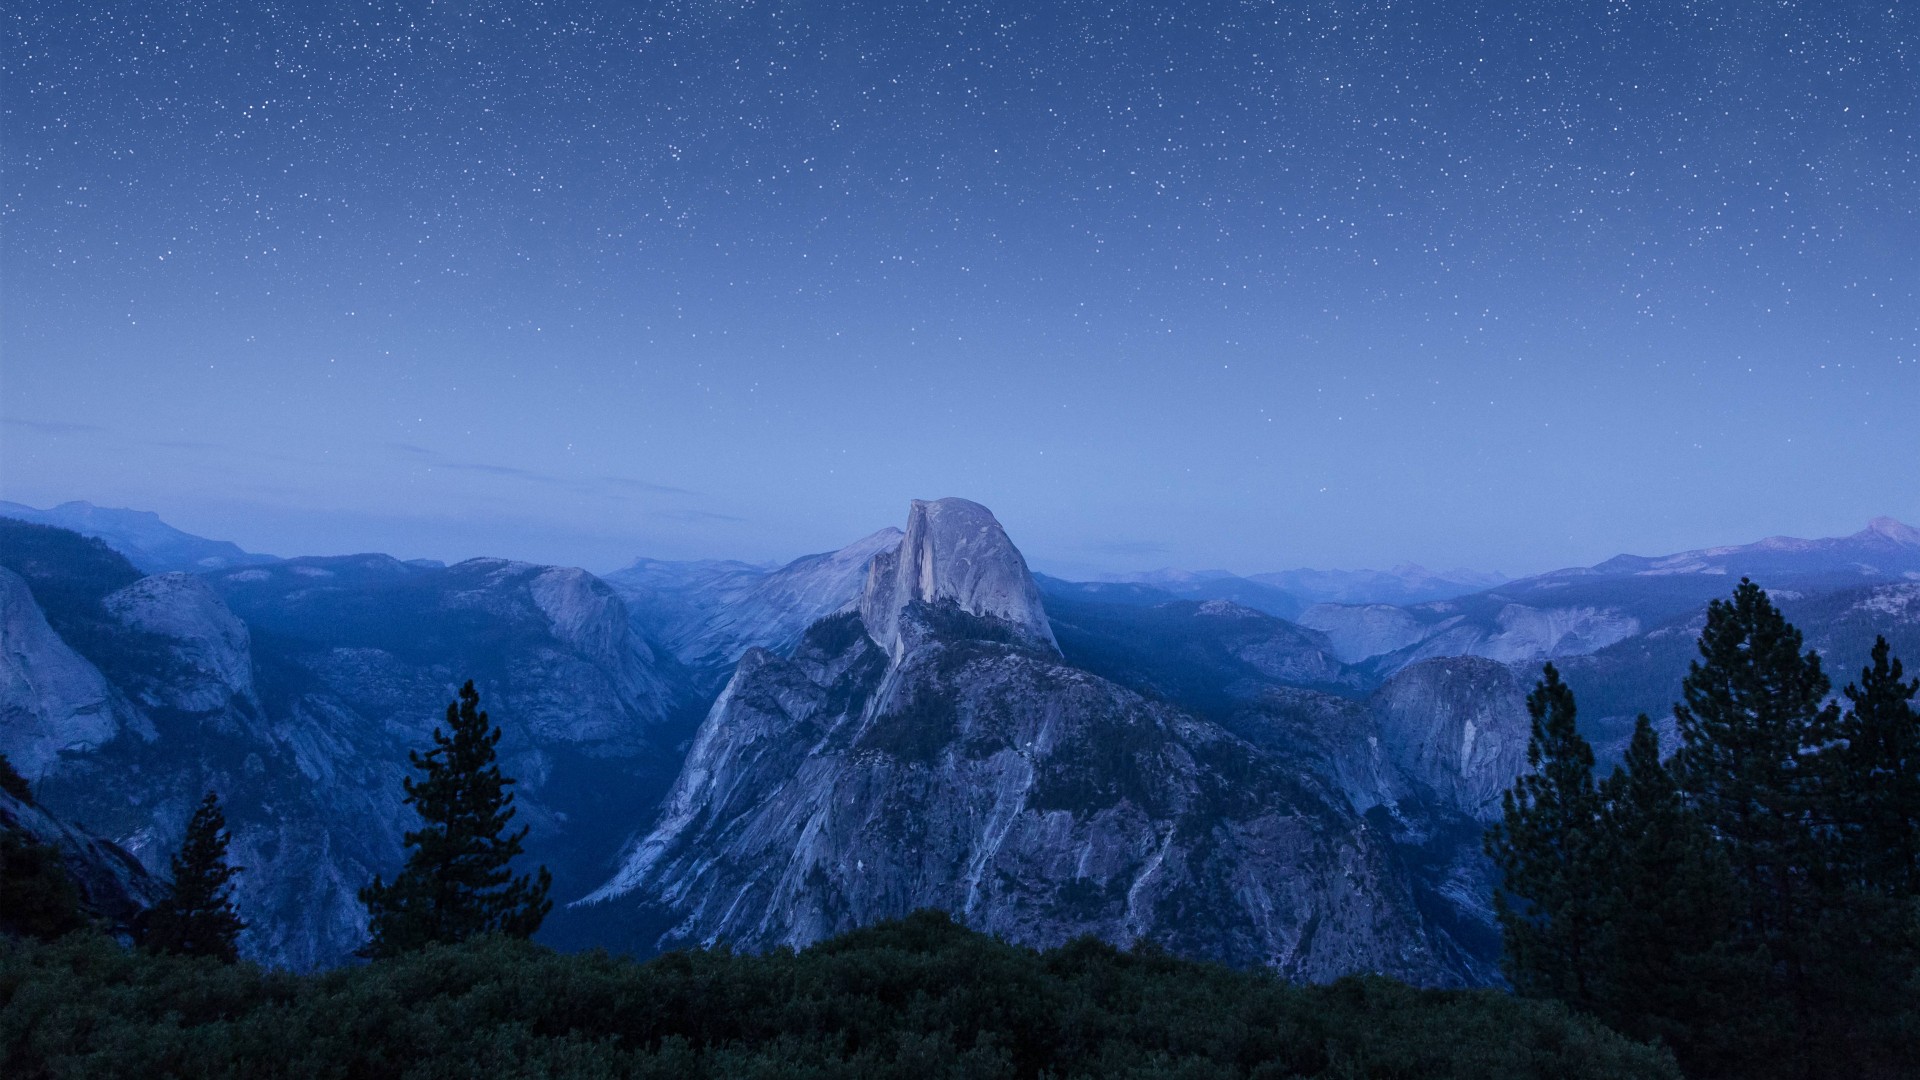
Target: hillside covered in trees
(920,998)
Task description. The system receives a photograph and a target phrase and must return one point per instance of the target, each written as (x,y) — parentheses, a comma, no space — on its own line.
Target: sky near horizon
(1241,285)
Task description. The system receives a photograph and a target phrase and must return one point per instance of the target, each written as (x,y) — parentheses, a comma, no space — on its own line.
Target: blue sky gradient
(1245,285)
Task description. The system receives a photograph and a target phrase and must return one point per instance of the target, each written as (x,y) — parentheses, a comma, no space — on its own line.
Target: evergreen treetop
(1751,723)
(196,917)
(1669,898)
(1546,845)
(457,882)
(1879,774)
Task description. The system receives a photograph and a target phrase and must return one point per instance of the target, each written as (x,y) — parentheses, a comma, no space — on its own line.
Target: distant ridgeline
(719,754)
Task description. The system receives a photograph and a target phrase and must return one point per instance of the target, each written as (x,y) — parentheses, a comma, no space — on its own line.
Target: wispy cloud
(598,485)
(51,427)
(497,470)
(645,485)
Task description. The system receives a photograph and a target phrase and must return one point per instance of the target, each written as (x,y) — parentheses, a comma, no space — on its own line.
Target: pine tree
(196,917)
(1867,940)
(457,883)
(1548,848)
(1668,972)
(1751,725)
(1878,770)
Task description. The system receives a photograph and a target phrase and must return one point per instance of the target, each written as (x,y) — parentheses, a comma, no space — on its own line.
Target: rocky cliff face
(1486,626)
(295,690)
(954,552)
(948,757)
(113,885)
(1458,726)
(708,614)
(52,700)
(211,648)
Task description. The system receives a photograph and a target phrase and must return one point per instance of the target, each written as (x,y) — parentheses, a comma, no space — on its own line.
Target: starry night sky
(1206,284)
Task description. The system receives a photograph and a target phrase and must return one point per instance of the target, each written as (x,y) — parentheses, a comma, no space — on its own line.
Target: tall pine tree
(1867,943)
(1878,774)
(1547,846)
(1751,724)
(1669,972)
(457,882)
(196,917)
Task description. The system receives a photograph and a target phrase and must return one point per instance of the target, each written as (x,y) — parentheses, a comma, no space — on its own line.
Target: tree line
(457,883)
(1751,900)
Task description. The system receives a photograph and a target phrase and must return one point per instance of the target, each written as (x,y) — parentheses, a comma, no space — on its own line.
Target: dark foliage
(1669,969)
(196,917)
(13,783)
(918,729)
(38,897)
(457,883)
(1754,894)
(1750,724)
(834,634)
(949,621)
(917,999)
(1878,767)
(1549,847)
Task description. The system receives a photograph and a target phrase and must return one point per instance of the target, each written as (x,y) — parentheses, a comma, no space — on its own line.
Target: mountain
(1885,549)
(296,690)
(1214,585)
(708,613)
(114,888)
(1643,673)
(140,535)
(932,748)
(1580,611)
(1201,654)
(1288,593)
(1408,583)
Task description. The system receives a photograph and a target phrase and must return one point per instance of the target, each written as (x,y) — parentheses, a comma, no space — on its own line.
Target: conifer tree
(1751,725)
(1878,760)
(1867,942)
(1547,847)
(1668,972)
(457,882)
(196,917)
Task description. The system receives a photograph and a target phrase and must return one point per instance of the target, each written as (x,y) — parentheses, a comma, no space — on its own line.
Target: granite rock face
(212,650)
(708,614)
(113,885)
(1458,726)
(295,690)
(949,758)
(52,700)
(954,552)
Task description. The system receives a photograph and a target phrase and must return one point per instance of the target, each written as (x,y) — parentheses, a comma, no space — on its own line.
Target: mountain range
(717,752)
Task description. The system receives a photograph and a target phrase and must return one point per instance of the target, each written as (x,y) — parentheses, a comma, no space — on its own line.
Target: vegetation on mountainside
(196,916)
(457,883)
(920,999)
(1750,901)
